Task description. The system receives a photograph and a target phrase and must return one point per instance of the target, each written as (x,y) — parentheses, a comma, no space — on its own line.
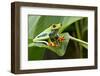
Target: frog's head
(56,26)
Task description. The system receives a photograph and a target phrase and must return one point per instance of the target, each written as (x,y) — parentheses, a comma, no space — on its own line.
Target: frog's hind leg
(44,42)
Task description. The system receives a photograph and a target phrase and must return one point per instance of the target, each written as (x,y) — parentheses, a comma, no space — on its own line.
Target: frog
(50,36)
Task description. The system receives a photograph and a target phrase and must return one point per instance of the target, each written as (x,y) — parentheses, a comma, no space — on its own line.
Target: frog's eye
(54,26)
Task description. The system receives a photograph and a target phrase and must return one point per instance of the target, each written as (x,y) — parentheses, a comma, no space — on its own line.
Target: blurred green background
(76,26)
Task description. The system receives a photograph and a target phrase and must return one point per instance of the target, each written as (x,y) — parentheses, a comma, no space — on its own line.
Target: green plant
(74,29)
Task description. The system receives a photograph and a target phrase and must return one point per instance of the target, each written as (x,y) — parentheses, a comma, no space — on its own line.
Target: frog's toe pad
(51,44)
(61,39)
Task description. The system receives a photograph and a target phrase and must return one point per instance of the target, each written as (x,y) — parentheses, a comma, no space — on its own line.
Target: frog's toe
(51,44)
(61,39)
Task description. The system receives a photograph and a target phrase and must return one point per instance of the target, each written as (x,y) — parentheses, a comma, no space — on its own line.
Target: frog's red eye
(54,26)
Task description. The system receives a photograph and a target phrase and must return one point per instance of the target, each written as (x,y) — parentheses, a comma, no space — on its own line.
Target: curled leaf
(59,50)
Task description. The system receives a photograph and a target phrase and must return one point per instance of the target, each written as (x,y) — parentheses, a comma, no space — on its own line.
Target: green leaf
(32,22)
(67,21)
(59,50)
(35,53)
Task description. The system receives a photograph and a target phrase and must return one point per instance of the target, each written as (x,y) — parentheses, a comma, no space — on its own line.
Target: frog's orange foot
(51,44)
(61,39)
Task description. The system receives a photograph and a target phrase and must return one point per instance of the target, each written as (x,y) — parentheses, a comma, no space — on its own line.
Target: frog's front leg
(61,39)
(52,41)
(55,41)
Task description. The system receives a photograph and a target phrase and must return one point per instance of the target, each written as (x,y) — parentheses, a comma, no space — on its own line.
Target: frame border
(15,36)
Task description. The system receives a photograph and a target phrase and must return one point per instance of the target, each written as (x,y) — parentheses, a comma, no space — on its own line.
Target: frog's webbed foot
(52,44)
(61,39)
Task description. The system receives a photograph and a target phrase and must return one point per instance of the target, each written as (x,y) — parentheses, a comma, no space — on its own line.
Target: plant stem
(78,40)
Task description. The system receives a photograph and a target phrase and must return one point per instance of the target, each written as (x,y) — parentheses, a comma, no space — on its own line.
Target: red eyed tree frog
(50,36)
